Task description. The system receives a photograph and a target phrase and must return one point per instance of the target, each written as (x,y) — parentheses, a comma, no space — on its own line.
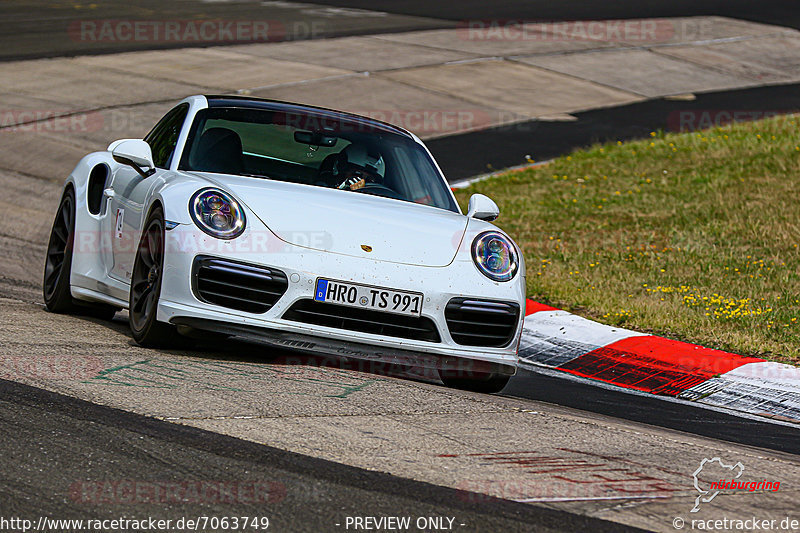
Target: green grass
(691,236)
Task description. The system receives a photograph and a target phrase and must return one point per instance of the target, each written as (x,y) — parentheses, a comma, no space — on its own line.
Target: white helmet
(357,155)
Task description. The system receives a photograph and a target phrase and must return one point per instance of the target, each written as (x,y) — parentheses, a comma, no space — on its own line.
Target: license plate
(366,297)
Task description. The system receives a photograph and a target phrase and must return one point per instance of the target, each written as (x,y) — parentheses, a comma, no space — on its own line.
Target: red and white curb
(559,340)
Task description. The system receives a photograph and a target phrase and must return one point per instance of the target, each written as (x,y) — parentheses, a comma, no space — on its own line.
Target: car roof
(249,102)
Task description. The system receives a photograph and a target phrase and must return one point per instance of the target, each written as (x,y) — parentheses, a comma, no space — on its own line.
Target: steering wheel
(379,189)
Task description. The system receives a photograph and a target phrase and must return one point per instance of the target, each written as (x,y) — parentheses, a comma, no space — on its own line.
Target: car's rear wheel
(58,265)
(486,382)
(146,281)
(58,261)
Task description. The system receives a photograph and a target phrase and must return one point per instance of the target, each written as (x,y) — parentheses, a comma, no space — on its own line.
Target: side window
(164,137)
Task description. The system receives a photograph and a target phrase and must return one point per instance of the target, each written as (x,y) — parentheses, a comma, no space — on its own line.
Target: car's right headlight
(217,213)
(495,256)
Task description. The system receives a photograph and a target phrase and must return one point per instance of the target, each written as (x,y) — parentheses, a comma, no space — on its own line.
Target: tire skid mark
(229,376)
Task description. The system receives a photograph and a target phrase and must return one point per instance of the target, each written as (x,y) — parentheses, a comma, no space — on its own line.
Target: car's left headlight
(495,256)
(217,213)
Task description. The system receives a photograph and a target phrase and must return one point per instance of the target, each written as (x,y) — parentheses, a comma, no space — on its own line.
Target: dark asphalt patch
(470,154)
(780,12)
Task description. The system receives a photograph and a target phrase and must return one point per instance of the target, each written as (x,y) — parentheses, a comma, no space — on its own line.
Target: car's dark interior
(219,150)
(265,145)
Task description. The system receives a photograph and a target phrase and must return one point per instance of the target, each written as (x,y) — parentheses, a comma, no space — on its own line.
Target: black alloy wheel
(58,263)
(148,268)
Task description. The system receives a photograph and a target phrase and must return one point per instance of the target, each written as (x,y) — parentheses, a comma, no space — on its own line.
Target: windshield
(314,150)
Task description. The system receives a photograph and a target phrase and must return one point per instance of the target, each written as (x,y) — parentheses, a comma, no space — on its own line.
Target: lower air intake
(240,286)
(363,320)
(481,322)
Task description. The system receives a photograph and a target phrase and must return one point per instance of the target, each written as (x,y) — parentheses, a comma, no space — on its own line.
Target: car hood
(346,222)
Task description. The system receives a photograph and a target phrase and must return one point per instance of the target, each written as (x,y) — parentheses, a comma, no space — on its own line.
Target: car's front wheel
(486,382)
(148,268)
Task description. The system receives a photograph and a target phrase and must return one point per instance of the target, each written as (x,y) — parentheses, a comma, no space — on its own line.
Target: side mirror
(482,207)
(136,153)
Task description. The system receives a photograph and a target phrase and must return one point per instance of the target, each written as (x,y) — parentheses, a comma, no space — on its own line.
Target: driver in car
(356,168)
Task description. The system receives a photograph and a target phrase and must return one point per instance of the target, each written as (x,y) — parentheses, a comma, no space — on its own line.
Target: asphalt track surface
(55,447)
(59,450)
(41,28)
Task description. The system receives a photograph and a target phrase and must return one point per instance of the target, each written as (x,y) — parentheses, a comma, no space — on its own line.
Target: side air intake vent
(240,286)
(481,322)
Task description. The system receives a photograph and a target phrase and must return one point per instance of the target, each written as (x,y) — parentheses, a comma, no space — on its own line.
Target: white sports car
(303,227)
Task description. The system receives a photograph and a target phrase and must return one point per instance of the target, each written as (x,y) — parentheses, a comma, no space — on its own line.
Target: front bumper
(382,359)
(179,305)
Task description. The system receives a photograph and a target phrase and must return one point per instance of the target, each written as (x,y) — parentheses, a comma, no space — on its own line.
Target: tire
(58,259)
(485,382)
(148,268)
(58,266)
